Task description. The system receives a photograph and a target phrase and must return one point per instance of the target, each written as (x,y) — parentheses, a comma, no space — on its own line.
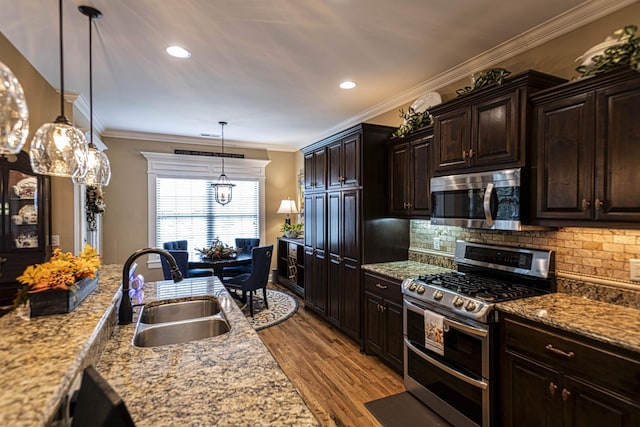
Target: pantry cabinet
(383,319)
(24,221)
(347,224)
(587,136)
(554,378)
(487,129)
(410,173)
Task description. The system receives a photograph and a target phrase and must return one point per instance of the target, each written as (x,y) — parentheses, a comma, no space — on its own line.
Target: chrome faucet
(125,312)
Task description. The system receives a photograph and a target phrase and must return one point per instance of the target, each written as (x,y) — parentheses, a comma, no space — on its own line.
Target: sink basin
(188,308)
(179,332)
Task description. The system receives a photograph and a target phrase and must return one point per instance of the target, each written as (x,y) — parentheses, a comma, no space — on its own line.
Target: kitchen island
(231,379)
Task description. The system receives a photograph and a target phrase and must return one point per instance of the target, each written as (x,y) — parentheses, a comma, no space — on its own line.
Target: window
(181,205)
(186,210)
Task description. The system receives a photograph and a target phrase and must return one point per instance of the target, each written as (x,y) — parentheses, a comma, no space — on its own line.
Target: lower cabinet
(553,378)
(291,264)
(383,319)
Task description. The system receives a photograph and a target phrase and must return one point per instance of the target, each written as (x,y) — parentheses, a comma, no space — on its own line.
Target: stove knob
(437,295)
(470,306)
(413,286)
(457,302)
(421,289)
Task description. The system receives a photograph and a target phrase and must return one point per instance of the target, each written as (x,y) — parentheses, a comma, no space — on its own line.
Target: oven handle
(487,204)
(480,384)
(447,321)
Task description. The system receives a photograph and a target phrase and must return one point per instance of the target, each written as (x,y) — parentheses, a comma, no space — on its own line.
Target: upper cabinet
(487,129)
(24,221)
(410,161)
(588,138)
(343,168)
(315,167)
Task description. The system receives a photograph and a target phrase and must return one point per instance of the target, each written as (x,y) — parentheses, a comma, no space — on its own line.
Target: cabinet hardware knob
(383,308)
(464,155)
(2,261)
(566,394)
(599,203)
(585,204)
(552,389)
(6,209)
(409,205)
(557,351)
(470,154)
(380,286)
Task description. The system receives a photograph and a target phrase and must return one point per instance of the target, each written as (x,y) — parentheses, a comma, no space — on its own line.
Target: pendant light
(223,188)
(14,114)
(58,148)
(98,167)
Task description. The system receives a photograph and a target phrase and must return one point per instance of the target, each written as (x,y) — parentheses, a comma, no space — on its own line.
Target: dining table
(218,264)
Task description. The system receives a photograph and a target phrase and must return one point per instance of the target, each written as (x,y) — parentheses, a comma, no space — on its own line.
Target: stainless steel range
(449,330)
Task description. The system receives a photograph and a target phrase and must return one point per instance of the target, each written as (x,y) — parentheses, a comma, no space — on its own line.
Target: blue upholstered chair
(179,250)
(245,245)
(257,279)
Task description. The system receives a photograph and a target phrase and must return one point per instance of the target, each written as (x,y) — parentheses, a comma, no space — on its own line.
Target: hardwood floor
(334,378)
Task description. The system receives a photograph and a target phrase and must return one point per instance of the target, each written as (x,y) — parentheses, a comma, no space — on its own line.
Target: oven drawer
(386,288)
(571,354)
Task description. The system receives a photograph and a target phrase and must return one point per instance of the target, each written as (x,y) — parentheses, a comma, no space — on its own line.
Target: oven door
(456,384)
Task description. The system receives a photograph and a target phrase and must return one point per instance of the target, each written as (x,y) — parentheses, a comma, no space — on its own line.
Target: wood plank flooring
(334,378)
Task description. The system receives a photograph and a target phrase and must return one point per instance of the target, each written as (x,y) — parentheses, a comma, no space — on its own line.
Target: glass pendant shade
(223,190)
(98,169)
(14,114)
(59,149)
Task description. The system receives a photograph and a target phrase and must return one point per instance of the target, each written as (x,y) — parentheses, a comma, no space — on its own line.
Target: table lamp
(287,207)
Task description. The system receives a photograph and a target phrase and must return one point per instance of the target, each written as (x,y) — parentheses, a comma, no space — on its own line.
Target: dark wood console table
(291,264)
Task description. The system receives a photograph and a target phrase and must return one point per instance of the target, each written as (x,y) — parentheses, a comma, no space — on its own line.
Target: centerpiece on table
(219,250)
(60,284)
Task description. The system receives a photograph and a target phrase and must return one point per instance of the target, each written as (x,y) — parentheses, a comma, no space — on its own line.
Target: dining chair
(179,251)
(257,279)
(245,245)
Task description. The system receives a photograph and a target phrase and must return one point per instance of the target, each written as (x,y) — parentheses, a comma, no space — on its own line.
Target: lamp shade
(59,149)
(287,207)
(14,115)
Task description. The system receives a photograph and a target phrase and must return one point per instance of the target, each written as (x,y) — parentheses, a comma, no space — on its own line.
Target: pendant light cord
(222,133)
(90,85)
(61,61)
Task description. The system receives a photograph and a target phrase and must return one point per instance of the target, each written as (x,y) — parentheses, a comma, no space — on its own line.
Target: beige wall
(126,219)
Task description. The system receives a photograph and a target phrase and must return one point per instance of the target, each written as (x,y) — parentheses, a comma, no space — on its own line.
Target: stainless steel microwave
(490,200)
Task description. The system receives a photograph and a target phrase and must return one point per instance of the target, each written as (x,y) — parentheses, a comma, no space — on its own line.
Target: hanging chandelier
(14,114)
(58,148)
(98,167)
(223,188)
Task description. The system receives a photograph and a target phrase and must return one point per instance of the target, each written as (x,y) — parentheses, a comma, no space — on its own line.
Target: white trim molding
(202,167)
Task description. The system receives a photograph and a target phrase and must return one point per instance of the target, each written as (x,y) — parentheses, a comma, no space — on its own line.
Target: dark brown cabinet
(587,136)
(344,225)
(383,319)
(554,378)
(24,221)
(410,173)
(315,166)
(290,272)
(487,129)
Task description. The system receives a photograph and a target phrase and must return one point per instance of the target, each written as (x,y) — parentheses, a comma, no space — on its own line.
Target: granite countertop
(608,323)
(40,357)
(231,379)
(404,269)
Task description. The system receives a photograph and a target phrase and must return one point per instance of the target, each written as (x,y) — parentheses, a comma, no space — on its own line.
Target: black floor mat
(404,410)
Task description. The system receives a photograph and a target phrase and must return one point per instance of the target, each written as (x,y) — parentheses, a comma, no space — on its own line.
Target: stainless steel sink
(187,308)
(179,332)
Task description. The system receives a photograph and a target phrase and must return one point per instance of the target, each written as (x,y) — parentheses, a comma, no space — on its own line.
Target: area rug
(402,410)
(281,307)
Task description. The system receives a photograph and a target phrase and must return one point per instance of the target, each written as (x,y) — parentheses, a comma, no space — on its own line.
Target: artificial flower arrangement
(62,271)
(95,205)
(218,250)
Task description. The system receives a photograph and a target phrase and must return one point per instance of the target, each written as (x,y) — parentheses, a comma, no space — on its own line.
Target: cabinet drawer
(387,288)
(615,369)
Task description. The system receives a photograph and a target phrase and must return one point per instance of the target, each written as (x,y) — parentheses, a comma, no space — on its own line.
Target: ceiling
(270,68)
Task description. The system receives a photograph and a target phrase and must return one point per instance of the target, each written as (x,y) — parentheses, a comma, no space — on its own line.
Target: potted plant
(292,230)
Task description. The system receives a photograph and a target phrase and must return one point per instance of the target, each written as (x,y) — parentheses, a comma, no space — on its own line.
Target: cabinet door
(617,192)
(398,177)
(530,394)
(495,138)
(309,173)
(420,185)
(452,140)
(334,165)
(564,137)
(351,160)
(334,235)
(350,299)
(393,344)
(586,405)
(373,331)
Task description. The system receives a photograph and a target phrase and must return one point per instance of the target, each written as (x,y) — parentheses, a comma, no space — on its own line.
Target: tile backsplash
(584,257)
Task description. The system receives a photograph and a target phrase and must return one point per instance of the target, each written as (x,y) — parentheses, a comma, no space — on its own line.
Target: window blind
(186,210)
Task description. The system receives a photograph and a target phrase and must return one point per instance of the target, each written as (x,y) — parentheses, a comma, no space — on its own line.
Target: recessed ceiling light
(178,52)
(347,85)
